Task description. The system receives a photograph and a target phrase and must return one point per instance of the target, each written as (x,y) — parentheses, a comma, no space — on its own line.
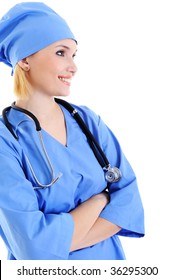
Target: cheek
(45,80)
(43,72)
(39,73)
(34,76)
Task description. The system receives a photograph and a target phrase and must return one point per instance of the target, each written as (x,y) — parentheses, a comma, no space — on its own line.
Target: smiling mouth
(65,80)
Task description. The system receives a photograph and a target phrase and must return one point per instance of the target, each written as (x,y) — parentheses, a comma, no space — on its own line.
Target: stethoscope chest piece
(112,174)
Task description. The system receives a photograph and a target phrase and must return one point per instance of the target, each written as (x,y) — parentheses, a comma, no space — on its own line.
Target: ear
(24,64)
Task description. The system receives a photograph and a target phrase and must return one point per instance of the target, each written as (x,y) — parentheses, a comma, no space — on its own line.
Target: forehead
(68,44)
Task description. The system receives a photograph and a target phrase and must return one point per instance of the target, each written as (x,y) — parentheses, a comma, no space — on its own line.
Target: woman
(53,203)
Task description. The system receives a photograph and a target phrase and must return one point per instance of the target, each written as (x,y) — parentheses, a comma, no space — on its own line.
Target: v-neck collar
(16,118)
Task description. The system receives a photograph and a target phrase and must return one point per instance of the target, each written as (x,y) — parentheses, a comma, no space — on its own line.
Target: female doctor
(53,203)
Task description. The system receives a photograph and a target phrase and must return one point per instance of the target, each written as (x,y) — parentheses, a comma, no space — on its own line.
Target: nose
(72,68)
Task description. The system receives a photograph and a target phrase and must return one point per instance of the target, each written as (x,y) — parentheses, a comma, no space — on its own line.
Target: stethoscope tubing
(112,174)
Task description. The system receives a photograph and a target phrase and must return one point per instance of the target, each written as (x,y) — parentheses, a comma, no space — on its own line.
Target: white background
(125,70)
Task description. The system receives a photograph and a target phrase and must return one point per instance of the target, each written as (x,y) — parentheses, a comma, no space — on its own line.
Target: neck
(49,115)
(43,107)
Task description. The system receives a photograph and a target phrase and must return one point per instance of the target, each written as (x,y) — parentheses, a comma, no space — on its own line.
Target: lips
(66,80)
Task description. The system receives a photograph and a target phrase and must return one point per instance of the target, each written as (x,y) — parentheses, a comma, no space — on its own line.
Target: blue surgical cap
(27,28)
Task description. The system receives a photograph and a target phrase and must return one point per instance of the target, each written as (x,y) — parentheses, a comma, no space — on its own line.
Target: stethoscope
(112,174)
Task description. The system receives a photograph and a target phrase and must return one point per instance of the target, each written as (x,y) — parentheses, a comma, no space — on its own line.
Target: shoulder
(4,133)
(88,115)
(7,142)
(94,122)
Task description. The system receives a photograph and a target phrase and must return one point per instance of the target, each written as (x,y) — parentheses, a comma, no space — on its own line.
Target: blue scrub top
(36,224)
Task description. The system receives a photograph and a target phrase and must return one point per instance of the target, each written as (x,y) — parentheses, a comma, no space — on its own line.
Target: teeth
(64,79)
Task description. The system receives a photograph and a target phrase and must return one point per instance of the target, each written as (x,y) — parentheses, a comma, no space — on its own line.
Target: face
(51,69)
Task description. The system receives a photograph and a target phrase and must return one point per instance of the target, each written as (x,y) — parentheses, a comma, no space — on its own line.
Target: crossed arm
(89,228)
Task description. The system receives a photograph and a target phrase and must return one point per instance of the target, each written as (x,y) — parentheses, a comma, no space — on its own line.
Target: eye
(73,56)
(60,53)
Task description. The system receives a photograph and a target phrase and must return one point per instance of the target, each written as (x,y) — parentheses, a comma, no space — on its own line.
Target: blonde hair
(21,84)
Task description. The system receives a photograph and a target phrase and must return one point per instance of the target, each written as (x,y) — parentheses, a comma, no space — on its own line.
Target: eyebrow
(64,46)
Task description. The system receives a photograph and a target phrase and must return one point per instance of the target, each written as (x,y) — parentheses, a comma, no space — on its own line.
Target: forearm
(85,216)
(101,230)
